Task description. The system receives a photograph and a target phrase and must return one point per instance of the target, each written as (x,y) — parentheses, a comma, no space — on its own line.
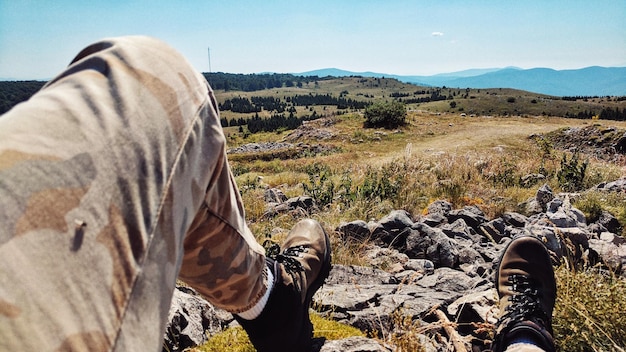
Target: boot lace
(525,304)
(288,258)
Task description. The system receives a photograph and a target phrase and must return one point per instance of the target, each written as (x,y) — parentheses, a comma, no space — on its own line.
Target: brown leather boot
(300,267)
(527,289)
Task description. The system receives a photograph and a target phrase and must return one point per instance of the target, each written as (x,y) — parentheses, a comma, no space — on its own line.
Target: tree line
(273,123)
(15,92)
(254,82)
(614,114)
(256,104)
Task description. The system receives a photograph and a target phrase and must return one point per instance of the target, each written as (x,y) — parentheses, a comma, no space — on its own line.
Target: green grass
(235,339)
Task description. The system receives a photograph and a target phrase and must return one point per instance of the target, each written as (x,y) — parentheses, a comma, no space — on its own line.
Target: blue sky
(39,37)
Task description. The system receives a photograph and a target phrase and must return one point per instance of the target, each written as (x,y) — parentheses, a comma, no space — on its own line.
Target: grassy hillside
(439,154)
(490,102)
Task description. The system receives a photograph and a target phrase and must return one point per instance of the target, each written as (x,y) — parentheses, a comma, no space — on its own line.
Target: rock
(596,229)
(346,298)
(562,214)
(447,279)
(544,196)
(434,219)
(385,258)
(259,147)
(356,230)
(443,261)
(312,130)
(475,307)
(191,320)
(301,206)
(359,275)
(531,207)
(550,237)
(609,222)
(420,265)
(459,231)
(393,229)
(514,219)
(355,344)
(420,300)
(471,214)
(614,186)
(560,218)
(274,195)
(305,202)
(396,220)
(425,242)
(620,144)
(531,180)
(468,255)
(439,207)
(612,255)
(488,250)
(494,229)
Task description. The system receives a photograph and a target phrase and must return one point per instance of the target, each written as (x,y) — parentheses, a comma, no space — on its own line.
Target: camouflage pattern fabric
(113,183)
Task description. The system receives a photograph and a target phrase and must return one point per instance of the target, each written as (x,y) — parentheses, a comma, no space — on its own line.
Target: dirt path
(436,135)
(479,133)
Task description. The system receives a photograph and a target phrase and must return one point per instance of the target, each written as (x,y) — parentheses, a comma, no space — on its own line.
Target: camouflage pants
(113,183)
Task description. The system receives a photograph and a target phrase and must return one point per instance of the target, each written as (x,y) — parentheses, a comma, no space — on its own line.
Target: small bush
(380,184)
(571,176)
(385,114)
(320,187)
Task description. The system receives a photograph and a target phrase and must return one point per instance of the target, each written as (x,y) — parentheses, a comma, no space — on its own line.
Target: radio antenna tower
(209,48)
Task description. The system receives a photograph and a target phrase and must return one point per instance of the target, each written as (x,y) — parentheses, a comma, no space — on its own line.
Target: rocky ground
(435,268)
(604,143)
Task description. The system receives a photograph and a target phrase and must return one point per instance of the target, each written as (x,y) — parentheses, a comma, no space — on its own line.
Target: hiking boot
(527,289)
(300,267)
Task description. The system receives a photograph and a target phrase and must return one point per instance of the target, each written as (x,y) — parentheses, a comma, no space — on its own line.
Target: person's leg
(102,174)
(527,289)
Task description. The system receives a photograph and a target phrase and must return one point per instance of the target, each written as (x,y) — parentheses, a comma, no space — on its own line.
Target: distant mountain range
(589,81)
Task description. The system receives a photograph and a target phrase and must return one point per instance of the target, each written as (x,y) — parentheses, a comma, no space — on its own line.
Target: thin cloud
(437,34)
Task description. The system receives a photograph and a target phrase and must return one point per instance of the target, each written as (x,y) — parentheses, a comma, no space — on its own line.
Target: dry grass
(589,313)
(467,161)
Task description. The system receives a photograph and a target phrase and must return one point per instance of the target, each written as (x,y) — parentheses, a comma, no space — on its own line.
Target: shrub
(572,173)
(380,184)
(385,114)
(320,187)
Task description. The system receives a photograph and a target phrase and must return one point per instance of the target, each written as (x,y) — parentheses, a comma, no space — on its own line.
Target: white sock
(256,310)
